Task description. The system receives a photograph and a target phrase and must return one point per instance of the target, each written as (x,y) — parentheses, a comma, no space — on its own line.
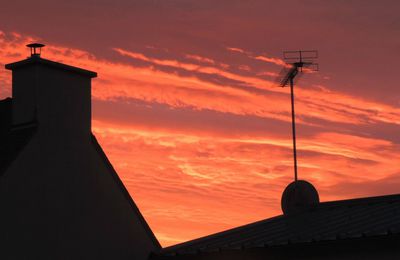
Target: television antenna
(296,61)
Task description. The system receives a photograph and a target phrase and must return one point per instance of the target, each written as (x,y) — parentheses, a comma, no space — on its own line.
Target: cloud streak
(195,140)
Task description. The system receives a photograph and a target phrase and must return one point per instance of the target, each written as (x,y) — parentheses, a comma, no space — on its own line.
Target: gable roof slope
(12,138)
(326,222)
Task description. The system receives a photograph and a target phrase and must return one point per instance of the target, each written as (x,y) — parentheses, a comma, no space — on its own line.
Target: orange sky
(203,142)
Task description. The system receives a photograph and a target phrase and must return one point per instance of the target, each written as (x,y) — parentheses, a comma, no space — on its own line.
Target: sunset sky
(188,111)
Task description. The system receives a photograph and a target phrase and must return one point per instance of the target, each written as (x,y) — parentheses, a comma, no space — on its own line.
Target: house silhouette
(61,198)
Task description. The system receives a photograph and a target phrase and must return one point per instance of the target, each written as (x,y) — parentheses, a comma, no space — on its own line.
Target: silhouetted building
(60,197)
(367,228)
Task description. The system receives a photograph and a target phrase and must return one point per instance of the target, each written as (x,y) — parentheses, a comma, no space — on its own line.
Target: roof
(125,192)
(326,222)
(5,115)
(38,60)
(12,138)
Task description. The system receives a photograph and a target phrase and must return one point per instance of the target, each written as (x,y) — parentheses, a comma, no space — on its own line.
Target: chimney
(55,95)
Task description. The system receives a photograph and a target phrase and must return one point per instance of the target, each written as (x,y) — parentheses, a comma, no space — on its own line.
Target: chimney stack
(55,95)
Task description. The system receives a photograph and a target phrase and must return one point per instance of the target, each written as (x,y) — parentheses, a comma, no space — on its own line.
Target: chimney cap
(36,49)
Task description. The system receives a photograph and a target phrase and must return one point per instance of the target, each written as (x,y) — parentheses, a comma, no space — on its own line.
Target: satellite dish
(298,196)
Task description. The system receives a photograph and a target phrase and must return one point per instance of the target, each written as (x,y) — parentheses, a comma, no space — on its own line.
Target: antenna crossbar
(300,55)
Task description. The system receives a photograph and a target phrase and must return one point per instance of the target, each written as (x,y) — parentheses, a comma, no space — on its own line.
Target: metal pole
(293,130)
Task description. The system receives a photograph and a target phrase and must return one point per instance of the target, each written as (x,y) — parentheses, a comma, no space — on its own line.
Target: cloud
(200,59)
(197,143)
(310,102)
(226,175)
(233,49)
(271,60)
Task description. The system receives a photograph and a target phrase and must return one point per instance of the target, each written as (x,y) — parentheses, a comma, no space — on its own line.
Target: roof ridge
(362,200)
(221,233)
(203,241)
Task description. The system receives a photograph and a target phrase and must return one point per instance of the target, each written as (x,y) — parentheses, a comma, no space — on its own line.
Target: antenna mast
(296,61)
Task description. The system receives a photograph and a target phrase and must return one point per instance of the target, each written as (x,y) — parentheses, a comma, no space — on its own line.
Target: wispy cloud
(233,49)
(195,140)
(271,60)
(200,59)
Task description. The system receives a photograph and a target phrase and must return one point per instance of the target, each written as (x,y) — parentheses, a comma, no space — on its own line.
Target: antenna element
(297,60)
